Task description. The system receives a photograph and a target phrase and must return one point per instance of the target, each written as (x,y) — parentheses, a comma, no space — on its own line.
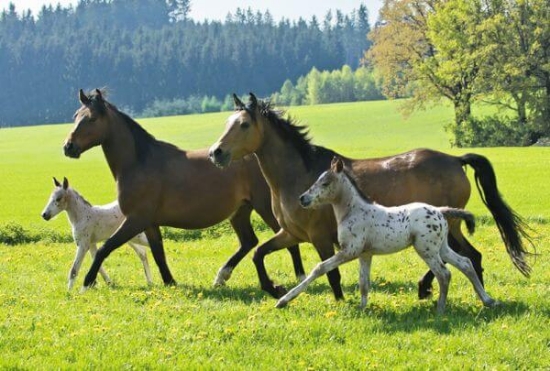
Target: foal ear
(56,182)
(239,105)
(83,97)
(253,102)
(336,165)
(65,183)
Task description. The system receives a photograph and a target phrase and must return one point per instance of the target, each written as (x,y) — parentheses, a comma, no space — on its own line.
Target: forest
(148,52)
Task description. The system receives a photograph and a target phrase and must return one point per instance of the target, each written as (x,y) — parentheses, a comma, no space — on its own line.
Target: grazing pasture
(193,325)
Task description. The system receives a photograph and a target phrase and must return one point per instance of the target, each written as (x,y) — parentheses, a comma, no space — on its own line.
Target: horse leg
(157,248)
(365,261)
(129,228)
(240,222)
(329,265)
(267,215)
(466,249)
(102,272)
(141,251)
(281,240)
(325,249)
(466,267)
(81,249)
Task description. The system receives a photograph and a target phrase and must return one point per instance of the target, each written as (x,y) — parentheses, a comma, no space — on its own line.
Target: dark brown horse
(159,184)
(291,164)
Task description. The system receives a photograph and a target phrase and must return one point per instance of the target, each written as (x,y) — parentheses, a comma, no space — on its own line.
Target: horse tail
(468,217)
(512,228)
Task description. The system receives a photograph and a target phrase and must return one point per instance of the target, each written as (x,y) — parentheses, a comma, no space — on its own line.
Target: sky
(218,9)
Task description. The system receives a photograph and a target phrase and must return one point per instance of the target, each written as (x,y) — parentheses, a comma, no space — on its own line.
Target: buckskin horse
(159,184)
(290,164)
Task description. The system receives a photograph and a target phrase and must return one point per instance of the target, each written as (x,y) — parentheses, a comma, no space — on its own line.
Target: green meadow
(196,326)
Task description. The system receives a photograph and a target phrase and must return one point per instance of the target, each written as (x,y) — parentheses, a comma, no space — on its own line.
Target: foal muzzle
(305,200)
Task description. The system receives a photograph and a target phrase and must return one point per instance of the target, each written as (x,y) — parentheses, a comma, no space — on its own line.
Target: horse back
(420,175)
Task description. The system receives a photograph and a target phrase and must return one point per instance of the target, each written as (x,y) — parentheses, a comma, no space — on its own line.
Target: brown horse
(291,164)
(159,184)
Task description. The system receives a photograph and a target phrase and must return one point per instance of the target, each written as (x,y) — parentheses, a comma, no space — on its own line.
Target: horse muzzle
(46,216)
(71,150)
(219,157)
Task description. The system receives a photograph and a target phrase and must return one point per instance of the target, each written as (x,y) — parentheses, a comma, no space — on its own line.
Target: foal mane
(353,182)
(80,197)
(292,132)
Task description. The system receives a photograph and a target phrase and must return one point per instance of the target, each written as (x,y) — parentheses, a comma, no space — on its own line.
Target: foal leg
(129,228)
(465,266)
(466,249)
(325,249)
(157,248)
(429,252)
(322,268)
(281,240)
(240,222)
(80,253)
(142,253)
(365,261)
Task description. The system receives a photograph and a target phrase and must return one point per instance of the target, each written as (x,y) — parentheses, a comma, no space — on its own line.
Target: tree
(426,49)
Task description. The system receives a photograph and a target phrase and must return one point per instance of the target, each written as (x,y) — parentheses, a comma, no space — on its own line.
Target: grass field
(196,326)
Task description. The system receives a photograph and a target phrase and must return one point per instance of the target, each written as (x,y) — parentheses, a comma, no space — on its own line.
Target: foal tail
(512,228)
(453,213)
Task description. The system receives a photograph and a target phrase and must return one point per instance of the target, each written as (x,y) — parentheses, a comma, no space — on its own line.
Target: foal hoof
(491,303)
(172,283)
(281,304)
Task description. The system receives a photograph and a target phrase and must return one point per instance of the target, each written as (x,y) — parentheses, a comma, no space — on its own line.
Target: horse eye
(245,125)
(58,199)
(325,184)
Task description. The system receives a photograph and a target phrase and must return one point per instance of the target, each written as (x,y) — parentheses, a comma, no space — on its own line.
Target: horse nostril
(45,216)
(217,151)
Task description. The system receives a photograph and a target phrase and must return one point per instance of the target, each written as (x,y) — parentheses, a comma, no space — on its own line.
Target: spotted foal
(90,225)
(366,229)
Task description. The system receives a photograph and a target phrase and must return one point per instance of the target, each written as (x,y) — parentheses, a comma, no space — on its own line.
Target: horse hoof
(424,293)
(280,291)
(172,283)
(492,303)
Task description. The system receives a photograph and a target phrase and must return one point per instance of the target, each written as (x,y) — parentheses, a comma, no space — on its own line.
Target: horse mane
(144,141)
(292,132)
(353,182)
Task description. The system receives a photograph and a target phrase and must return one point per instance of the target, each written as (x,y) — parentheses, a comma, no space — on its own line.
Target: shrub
(492,131)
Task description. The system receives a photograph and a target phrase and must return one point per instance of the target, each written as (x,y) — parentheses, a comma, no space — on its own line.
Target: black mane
(143,140)
(291,132)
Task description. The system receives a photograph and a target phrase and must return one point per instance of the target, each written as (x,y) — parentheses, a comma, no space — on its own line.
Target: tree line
(150,51)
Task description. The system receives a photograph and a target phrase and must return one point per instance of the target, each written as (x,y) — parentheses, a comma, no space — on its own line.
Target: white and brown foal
(366,229)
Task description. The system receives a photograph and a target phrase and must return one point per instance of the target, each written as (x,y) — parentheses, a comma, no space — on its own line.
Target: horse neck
(119,147)
(76,206)
(280,162)
(347,197)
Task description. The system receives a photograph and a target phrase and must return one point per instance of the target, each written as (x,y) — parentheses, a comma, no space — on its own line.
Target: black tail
(511,226)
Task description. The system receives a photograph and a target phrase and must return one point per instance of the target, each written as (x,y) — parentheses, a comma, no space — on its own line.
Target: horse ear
(65,183)
(56,182)
(98,93)
(83,98)
(239,105)
(253,102)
